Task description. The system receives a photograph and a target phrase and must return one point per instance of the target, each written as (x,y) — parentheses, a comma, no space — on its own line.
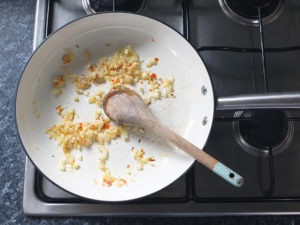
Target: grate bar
(114,5)
(270,192)
(262,46)
(186,19)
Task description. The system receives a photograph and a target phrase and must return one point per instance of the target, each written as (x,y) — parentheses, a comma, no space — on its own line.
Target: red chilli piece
(61,78)
(108,182)
(153,76)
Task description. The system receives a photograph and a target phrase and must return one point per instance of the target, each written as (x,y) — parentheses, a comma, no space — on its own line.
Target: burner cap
(262,129)
(246,11)
(93,6)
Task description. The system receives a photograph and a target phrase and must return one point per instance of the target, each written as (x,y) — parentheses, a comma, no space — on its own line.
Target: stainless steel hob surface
(199,192)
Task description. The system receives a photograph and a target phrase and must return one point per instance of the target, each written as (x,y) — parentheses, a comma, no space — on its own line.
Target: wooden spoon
(125,106)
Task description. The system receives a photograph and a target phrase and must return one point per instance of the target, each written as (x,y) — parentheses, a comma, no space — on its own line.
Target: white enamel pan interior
(184,114)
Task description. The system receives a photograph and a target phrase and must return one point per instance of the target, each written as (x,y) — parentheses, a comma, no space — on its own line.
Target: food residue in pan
(122,68)
(141,158)
(76,99)
(37,114)
(152,61)
(87,54)
(57,84)
(68,57)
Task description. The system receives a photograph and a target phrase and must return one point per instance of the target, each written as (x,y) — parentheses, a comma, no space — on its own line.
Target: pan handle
(280,100)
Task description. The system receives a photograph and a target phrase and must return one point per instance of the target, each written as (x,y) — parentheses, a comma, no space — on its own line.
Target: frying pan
(190,114)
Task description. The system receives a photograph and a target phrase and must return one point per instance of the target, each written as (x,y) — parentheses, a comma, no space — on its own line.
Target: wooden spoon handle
(201,156)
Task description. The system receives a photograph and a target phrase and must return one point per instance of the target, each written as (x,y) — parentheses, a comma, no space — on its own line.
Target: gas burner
(94,6)
(262,129)
(246,11)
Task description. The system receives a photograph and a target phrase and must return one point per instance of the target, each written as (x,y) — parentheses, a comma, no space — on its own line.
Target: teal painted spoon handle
(205,159)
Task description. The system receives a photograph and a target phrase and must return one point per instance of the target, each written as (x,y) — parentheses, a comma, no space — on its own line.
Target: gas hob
(251,52)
